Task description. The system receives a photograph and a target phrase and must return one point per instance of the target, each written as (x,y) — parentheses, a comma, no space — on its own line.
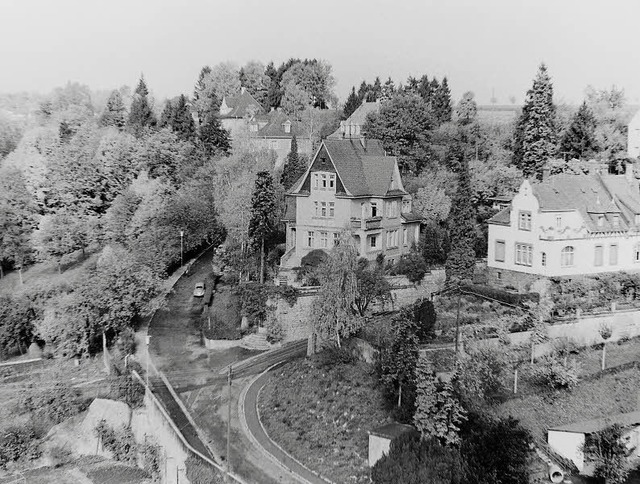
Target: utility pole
(458,321)
(181,247)
(229,376)
(148,358)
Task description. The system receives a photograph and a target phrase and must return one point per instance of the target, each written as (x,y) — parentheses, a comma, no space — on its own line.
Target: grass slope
(320,414)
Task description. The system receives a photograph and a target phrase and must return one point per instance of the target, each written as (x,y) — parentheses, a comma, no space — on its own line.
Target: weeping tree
(332,313)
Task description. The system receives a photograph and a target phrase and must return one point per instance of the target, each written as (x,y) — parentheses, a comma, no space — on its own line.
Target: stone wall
(521,281)
(295,320)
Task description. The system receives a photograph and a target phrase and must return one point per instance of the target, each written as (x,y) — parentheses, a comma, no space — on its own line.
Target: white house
(350,184)
(567,225)
(633,136)
(568,440)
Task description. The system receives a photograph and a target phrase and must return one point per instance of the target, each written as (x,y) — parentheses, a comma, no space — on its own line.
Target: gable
(322,162)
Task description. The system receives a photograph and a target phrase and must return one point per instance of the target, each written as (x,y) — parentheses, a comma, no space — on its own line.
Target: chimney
(546,171)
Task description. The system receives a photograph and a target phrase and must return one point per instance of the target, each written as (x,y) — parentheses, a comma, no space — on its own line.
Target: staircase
(256,341)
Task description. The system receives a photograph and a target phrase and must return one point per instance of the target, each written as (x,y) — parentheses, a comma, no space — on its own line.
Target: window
(616,220)
(637,219)
(336,239)
(316,181)
(598,255)
(566,256)
(524,254)
(558,221)
(332,182)
(311,239)
(374,209)
(636,253)
(406,206)
(543,259)
(392,238)
(323,181)
(253,127)
(324,239)
(315,204)
(332,209)
(392,208)
(287,126)
(500,250)
(404,237)
(323,209)
(373,241)
(613,254)
(524,220)
(499,275)
(600,220)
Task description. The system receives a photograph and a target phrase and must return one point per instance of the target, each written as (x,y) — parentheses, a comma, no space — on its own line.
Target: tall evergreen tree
(274,93)
(362,91)
(182,123)
(461,259)
(293,168)
(204,95)
(166,117)
(262,223)
(442,102)
(353,102)
(115,113)
(141,115)
(579,140)
(535,137)
(213,137)
(424,88)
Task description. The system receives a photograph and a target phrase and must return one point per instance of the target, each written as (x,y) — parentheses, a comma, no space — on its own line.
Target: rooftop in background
(499,113)
(240,105)
(630,419)
(352,126)
(392,430)
(279,125)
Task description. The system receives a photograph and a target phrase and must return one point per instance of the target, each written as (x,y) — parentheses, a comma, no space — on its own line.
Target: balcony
(371,223)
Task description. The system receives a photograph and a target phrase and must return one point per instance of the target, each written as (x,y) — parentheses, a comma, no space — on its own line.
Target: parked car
(199,289)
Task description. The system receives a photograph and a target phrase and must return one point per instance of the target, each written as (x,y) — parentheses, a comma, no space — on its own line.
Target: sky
(484,46)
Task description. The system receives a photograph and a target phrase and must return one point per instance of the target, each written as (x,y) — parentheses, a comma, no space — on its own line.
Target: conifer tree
(442,102)
(182,122)
(424,88)
(213,137)
(461,259)
(293,168)
(141,115)
(362,91)
(114,113)
(579,140)
(274,93)
(262,223)
(535,137)
(166,117)
(204,95)
(353,102)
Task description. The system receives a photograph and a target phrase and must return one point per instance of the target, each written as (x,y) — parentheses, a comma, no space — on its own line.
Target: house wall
(549,235)
(633,136)
(568,444)
(282,147)
(378,446)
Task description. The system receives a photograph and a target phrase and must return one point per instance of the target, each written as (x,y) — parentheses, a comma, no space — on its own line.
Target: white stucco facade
(633,136)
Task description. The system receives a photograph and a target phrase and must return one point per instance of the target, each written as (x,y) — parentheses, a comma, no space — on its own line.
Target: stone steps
(256,341)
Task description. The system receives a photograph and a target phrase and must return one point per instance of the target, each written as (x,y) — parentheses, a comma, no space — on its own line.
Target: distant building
(567,225)
(633,136)
(350,184)
(352,126)
(238,111)
(276,134)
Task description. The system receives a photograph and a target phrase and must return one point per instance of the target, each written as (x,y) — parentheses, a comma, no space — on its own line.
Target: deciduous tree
(115,113)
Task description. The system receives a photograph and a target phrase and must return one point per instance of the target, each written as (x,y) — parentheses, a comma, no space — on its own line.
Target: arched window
(566,258)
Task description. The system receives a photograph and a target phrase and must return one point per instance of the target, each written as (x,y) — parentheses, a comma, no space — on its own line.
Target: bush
(275,331)
(413,266)
(151,460)
(333,355)
(126,388)
(120,442)
(554,373)
(59,455)
(17,442)
(515,299)
(55,403)
(126,343)
(199,472)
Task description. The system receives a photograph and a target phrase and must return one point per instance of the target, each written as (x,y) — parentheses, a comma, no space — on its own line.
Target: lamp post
(181,246)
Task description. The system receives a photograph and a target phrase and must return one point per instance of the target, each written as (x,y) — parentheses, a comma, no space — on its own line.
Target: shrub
(554,373)
(126,343)
(151,460)
(333,355)
(120,442)
(413,266)
(126,388)
(17,442)
(199,472)
(59,455)
(275,331)
(55,403)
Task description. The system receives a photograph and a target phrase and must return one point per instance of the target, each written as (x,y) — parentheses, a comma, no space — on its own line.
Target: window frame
(567,257)
(504,250)
(523,254)
(613,254)
(311,238)
(598,256)
(524,220)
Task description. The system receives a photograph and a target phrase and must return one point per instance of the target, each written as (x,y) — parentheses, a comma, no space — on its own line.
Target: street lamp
(181,246)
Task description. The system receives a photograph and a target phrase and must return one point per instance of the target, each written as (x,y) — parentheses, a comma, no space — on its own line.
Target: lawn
(320,414)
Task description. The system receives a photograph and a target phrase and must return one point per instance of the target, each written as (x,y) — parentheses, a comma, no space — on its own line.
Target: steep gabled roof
(631,419)
(275,129)
(503,217)
(240,104)
(357,118)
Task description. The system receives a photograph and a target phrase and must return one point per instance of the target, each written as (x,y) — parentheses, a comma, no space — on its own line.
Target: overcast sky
(480,45)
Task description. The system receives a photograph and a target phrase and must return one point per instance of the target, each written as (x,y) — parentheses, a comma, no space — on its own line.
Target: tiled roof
(392,430)
(503,217)
(275,129)
(239,105)
(630,419)
(412,217)
(358,117)
(364,171)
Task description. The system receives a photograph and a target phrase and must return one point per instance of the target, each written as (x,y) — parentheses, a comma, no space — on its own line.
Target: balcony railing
(371,223)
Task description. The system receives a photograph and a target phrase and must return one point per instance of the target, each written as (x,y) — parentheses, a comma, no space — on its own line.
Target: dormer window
(324,181)
(600,220)
(616,221)
(286,126)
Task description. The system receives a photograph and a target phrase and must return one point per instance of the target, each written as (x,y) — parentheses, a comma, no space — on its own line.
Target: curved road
(256,429)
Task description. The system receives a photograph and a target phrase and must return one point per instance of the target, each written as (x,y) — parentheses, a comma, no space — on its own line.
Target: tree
(332,314)
(273,91)
(205,99)
(263,204)
(115,113)
(535,136)
(371,286)
(460,262)
(414,460)
(609,453)
(213,137)
(293,167)
(403,125)
(352,103)
(314,79)
(17,316)
(166,117)
(438,411)
(254,79)
(441,102)
(182,121)
(466,109)
(579,140)
(480,371)
(224,79)
(140,115)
